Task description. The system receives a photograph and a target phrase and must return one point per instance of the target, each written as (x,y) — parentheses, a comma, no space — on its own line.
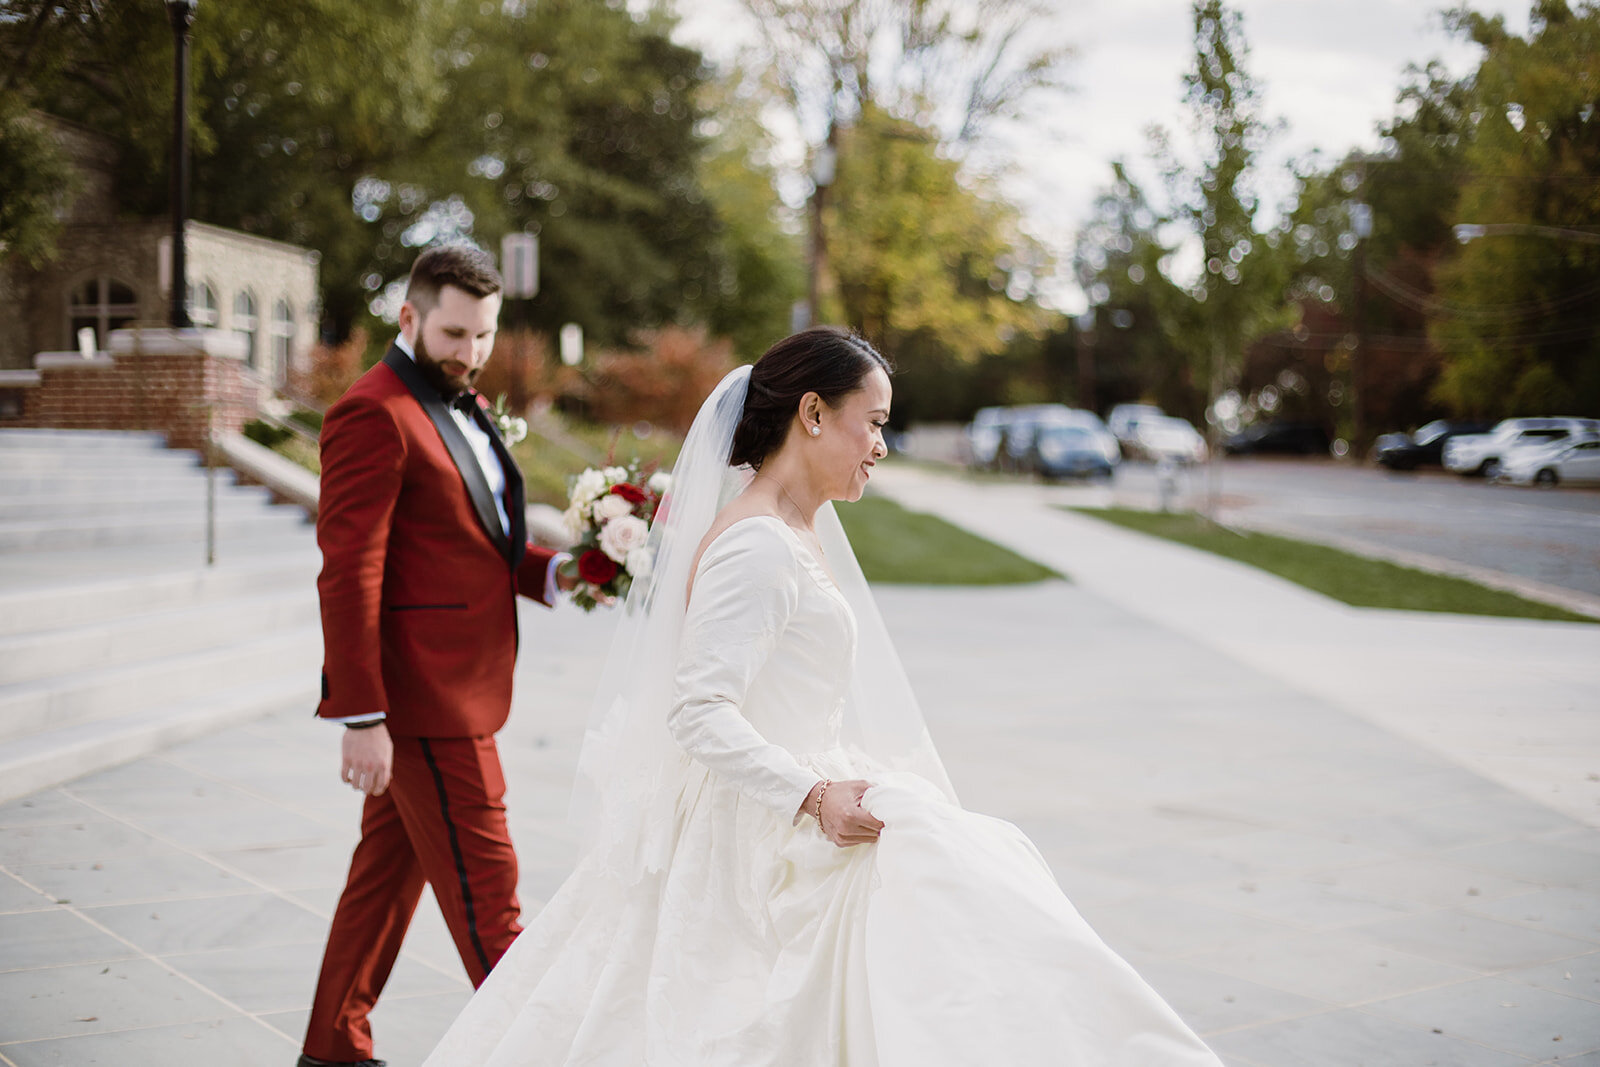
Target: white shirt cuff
(551,590)
(373,716)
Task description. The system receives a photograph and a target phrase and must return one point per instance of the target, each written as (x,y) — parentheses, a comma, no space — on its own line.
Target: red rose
(596,568)
(631,493)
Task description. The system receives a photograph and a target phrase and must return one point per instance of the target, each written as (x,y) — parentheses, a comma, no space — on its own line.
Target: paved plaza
(1330,837)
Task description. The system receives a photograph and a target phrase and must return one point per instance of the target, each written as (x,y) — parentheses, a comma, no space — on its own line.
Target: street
(1547,537)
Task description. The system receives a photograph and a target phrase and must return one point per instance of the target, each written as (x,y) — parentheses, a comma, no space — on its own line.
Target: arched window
(202,304)
(246,325)
(282,337)
(102,304)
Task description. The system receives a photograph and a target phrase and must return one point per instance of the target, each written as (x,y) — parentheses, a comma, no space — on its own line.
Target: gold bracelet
(826,782)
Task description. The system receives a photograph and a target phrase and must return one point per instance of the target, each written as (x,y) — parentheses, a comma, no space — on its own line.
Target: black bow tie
(466,403)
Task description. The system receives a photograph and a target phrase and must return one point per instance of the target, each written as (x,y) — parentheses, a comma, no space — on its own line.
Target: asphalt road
(1548,536)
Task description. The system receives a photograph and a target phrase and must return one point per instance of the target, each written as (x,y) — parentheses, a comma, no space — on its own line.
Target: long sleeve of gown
(743,597)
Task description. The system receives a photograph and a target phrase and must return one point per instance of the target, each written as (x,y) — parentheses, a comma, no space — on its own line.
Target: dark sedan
(1282,438)
(1069,452)
(1408,451)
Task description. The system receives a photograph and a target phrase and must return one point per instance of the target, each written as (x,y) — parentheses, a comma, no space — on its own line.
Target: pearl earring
(816,431)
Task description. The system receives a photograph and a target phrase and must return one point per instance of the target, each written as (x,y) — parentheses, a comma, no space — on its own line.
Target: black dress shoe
(312,1061)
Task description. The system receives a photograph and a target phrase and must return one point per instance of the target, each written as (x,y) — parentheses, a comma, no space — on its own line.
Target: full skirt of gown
(761,944)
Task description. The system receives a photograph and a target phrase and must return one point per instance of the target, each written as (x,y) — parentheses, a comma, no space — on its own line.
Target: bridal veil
(630,769)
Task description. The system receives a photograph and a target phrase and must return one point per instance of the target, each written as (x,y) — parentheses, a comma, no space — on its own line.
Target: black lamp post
(181,14)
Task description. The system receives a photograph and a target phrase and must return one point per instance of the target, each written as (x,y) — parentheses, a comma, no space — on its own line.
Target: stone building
(253,301)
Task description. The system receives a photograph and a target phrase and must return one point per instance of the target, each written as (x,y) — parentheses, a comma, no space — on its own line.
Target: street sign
(572,344)
(519,265)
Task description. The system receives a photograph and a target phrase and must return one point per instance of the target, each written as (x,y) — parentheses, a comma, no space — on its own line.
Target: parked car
(983,436)
(1066,451)
(1123,421)
(1169,437)
(1024,423)
(1408,451)
(1283,438)
(1573,461)
(1482,454)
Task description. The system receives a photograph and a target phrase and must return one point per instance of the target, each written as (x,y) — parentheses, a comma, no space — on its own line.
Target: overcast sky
(1330,70)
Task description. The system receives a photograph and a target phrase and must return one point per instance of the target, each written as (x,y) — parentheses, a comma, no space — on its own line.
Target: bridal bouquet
(608,515)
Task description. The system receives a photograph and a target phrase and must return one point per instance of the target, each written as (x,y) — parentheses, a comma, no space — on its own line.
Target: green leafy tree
(761,275)
(34,180)
(906,95)
(1118,260)
(1516,317)
(936,274)
(1238,296)
(293,103)
(1371,298)
(576,122)
(368,130)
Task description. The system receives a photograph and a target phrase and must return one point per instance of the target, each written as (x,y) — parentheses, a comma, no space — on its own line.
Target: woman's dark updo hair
(825,360)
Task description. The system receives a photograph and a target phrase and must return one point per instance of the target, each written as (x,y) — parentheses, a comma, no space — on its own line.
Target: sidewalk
(1516,700)
(1328,836)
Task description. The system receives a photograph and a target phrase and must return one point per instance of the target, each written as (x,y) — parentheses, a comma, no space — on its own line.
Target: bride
(776,870)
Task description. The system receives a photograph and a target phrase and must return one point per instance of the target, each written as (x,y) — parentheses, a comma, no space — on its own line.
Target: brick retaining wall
(140,390)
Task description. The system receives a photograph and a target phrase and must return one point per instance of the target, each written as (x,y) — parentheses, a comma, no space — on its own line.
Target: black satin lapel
(516,492)
(455,443)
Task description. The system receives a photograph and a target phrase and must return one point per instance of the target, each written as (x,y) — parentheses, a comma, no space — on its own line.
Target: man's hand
(367,759)
(567,577)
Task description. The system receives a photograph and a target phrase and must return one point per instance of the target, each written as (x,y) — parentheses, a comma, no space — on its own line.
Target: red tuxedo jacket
(419,581)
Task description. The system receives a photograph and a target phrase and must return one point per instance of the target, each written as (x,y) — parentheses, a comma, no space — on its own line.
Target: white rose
(611,506)
(576,520)
(513,429)
(621,536)
(590,484)
(640,562)
(613,475)
(660,482)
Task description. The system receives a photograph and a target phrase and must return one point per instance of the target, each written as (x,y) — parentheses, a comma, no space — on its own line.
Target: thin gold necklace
(798,510)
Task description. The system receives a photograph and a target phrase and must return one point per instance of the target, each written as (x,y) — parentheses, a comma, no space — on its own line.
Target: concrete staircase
(115,638)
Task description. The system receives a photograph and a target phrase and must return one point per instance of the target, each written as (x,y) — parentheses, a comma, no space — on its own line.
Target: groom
(424,551)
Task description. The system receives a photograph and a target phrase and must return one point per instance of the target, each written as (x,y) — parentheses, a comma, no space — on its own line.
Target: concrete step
(89,440)
(44,460)
(100,694)
(53,535)
(121,503)
(72,598)
(58,755)
(115,638)
(144,635)
(94,482)
(30,581)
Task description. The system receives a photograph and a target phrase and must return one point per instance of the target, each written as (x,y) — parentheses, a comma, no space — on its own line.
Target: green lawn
(1356,580)
(908,547)
(570,446)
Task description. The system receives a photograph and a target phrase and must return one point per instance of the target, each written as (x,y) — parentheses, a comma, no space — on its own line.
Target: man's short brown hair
(463,266)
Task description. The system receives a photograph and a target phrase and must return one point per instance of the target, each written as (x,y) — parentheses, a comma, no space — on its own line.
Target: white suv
(1482,453)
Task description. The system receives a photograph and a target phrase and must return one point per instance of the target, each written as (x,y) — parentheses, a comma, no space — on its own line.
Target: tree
(293,103)
(34,179)
(934,273)
(759,250)
(1516,318)
(367,130)
(1126,354)
(945,65)
(1238,296)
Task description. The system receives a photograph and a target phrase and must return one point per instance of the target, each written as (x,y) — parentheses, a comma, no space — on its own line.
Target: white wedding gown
(762,944)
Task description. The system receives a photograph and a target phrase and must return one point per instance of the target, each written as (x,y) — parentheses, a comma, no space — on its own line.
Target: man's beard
(433,372)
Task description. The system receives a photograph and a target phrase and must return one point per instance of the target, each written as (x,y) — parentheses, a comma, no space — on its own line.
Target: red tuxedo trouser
(442,821)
